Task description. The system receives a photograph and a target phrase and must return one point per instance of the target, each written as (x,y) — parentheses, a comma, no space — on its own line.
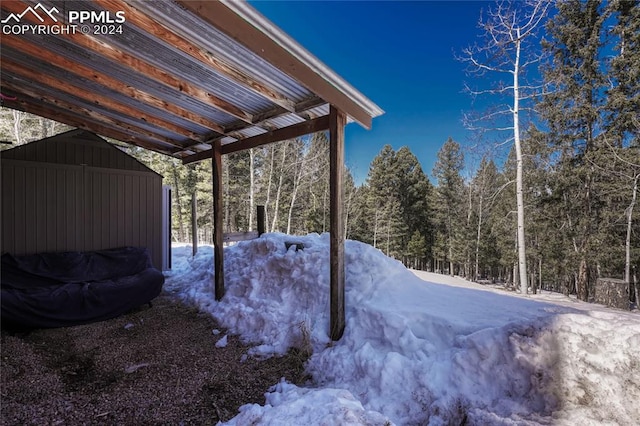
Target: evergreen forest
(578,149)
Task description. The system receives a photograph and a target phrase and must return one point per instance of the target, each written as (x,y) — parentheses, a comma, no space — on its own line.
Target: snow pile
(290,405)
(415,352)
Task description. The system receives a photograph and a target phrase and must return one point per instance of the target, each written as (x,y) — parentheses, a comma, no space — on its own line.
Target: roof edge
(260,22)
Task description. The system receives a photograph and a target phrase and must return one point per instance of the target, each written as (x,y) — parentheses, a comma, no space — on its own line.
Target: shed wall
(48,207)
(76,148)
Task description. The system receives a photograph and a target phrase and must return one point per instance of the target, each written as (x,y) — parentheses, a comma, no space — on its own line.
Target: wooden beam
(302,110)
(138,65)
(312,126)
(140,19)
(71,89)
(289,132)
(21,45)
(202,155)
(91,116)
(233,25)
(218,235)
(81,123)
(337,122)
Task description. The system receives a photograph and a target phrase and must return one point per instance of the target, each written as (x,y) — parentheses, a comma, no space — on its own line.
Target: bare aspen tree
(276,207)
(271,150)
(628,171)
(299,172)
(177,201)
(507,28)
(227,216)
(18,116)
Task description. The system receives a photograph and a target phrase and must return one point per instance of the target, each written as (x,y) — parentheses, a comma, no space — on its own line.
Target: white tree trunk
(17,125)
(450,260)
(347,207)
(627,262)
(325,195)
(522,256)
(227,223)
(294,193)
(178,202)
(279,190)
(388,235)
(506,27)
(266,204)
(475,278)
(375,230)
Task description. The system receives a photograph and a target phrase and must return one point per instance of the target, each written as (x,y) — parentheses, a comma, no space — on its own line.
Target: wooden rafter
(149,70)
(157,95)
(89,115)
(306,127)
(146,23)
(302,110)
(261,119)
(234,130)
(290,132)
(82,123)
(72,90)
(78,70)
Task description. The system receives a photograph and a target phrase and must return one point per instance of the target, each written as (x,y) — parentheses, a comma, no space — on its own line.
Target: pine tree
(382,183)
(622,106)
(573,110)
(483,188)
(623,94)
(417,251)
(449,196)
(395,197)
(503,223)
(413,192)
(360,223)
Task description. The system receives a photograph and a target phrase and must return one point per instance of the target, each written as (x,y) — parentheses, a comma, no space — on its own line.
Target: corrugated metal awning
(170,76)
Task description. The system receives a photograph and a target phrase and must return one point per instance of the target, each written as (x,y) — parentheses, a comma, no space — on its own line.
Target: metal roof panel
(178,74)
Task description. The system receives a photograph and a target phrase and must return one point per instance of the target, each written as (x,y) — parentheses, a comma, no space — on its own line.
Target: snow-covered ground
(418,348)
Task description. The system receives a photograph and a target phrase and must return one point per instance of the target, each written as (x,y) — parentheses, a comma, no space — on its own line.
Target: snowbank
(415,352)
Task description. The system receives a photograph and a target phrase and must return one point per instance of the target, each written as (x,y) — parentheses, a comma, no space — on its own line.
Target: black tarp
(63,289)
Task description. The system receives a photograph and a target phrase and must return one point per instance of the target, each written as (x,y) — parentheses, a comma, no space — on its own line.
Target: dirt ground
(154,366)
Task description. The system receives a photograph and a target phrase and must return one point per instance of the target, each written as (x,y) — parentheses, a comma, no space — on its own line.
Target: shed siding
(51,207)
(30,212)
(75,148)
(76,192)
(10,205)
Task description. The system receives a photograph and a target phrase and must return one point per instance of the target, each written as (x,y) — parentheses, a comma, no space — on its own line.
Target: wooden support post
(337,122)
(261,220)
(194,225)
(218,236)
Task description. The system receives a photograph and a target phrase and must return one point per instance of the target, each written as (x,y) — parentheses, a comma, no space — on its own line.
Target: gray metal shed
(77,192)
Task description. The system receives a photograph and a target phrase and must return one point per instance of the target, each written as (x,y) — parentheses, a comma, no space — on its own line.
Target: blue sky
(400,54)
